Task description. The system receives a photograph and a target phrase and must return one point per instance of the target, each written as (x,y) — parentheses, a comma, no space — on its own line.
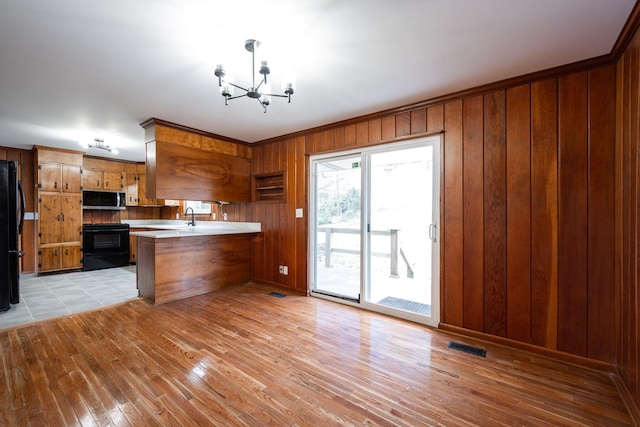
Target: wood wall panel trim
(632,315)
(572,213)
(627,213)
(518,116)
(418,121)
(403,124)
(495,215)
(452,273)
(619,249)
(544,223)
(388,127)
(435,118)
(362,133)
(375,130)
(473,214)
(601,342)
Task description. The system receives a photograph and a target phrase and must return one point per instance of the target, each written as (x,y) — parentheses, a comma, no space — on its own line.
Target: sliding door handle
(433,233)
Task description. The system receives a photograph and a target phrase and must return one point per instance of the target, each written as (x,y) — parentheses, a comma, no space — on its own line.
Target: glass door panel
(337,227)
(400,217)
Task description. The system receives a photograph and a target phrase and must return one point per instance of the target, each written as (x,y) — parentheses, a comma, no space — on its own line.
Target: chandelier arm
(238,96)
(262,105)
(236,86)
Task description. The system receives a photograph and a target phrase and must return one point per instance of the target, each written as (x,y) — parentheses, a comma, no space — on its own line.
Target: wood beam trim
(626,35)
(159,122)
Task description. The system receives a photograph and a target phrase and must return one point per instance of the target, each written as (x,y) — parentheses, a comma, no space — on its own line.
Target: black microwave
(105,200)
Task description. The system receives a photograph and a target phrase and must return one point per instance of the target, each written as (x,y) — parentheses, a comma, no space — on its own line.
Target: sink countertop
(164,229)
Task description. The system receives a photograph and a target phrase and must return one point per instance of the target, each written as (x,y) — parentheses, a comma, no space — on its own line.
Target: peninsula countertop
(163,229)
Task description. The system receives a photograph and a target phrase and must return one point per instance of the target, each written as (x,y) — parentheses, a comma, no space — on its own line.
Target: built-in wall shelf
(269,187)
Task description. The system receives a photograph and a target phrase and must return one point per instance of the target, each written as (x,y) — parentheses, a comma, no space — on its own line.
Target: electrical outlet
(285,270)
(281,269)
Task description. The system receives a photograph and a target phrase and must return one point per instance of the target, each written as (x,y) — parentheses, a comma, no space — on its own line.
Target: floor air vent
(277,295)
(468,349)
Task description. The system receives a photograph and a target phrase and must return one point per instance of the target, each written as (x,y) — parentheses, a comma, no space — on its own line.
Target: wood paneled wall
(527,208)
(627,212)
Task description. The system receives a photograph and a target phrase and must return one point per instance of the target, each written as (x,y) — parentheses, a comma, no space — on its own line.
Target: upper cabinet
(102,180)
(58,177)
(188,164)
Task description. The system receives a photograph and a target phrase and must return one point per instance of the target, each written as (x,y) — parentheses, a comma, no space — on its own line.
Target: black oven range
(105,246)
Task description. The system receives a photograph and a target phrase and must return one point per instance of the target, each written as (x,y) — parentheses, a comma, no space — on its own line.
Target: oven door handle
(112,231)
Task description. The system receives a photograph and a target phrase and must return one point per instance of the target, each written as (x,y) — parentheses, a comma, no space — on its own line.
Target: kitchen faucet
(193,216)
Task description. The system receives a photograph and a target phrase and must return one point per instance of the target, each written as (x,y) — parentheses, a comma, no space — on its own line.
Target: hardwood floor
(242,357)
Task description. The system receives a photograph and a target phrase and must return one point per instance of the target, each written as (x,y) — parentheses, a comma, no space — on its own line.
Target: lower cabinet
(63,257)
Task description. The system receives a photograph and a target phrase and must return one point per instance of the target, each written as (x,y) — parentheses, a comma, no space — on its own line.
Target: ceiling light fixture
(99,143)
(261,92)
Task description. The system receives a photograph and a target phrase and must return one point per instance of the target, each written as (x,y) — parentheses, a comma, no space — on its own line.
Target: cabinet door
(49,259)
(71,218)
(91,179)
(142,191)
(71,257)
(113,181)
(50,177)
(132,248)
(132,189)
(50,219)
(72,178)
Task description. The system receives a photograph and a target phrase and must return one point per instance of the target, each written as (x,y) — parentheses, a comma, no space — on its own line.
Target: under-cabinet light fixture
(260,92)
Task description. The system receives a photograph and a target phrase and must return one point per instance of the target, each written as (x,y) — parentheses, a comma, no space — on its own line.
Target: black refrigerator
(11,220)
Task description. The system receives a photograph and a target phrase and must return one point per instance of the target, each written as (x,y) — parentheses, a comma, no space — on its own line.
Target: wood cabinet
(59,197)
(186,173)
(137,191)
(132,244)
(102,180)
(132,189)
(59,178)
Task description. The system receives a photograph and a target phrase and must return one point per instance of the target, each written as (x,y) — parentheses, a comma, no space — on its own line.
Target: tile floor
(47,296)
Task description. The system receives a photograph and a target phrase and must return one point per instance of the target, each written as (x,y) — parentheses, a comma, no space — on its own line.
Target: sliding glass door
(374,228)
(337,231)
(401,214)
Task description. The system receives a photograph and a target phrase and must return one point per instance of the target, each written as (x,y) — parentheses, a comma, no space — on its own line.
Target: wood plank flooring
(242,357)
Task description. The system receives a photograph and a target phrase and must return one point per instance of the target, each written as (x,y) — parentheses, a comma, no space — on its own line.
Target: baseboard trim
(627,397)
(572,359)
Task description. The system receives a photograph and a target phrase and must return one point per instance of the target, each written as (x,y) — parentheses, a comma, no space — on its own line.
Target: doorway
(374,228)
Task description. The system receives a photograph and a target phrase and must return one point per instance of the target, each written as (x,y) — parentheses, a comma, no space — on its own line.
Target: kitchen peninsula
(177,261)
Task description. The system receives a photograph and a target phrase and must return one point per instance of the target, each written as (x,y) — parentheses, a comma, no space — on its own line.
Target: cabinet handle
(106,184)
(66,185)
(66,252)
(55,252)
(55,185)
(58,218)
(98,183)
(62,217)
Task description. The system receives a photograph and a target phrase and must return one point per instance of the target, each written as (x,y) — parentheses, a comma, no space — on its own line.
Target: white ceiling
(73,70)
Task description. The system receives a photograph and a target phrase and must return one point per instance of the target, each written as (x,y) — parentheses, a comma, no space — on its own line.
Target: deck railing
(395,253)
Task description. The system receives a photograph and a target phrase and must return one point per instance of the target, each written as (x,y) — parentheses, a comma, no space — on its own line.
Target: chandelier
(260,92)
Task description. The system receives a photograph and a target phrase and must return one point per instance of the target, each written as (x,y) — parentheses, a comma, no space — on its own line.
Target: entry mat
(406,305)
